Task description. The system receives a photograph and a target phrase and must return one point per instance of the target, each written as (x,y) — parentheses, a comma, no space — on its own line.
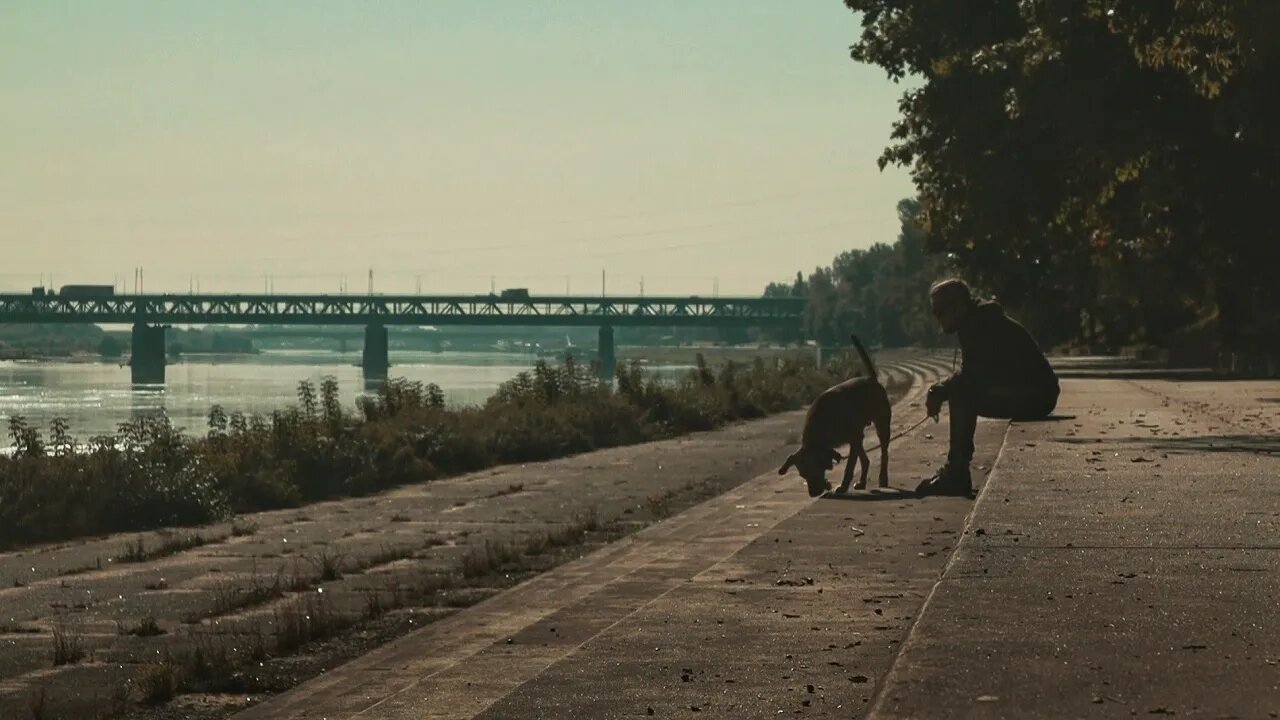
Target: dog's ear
(791,460)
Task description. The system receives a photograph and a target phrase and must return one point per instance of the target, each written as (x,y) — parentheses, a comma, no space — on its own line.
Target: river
(95,397)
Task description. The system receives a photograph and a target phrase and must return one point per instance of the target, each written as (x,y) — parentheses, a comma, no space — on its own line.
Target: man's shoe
(950,480)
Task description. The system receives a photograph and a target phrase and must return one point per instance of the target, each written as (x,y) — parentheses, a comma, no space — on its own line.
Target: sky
(676,146)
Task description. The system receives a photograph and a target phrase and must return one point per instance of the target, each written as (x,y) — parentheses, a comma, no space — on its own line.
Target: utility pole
(641,286)
(370,281)
(602,286)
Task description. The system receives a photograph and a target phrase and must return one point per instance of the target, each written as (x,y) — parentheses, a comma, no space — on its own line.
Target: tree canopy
(1107,167)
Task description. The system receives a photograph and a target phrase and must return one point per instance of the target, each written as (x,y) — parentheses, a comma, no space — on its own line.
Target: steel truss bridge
(402,310)
(151,313)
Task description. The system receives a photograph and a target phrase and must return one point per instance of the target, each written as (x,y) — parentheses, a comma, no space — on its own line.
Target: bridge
(150,314)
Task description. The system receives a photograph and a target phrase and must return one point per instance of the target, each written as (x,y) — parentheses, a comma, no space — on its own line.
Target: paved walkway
(1124,562)
(1121,561)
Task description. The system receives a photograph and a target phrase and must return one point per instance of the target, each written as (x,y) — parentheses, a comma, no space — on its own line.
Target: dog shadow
(873,495)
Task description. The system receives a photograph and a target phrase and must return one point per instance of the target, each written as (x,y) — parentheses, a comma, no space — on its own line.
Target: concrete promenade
(1119,560)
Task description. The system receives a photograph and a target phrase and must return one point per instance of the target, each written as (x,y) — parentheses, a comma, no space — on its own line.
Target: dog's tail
(866,359)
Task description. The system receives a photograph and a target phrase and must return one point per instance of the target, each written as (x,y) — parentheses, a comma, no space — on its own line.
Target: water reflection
(96,397)
(147,401)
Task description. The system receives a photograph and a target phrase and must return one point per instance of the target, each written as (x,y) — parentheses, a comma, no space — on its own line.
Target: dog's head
(812,464)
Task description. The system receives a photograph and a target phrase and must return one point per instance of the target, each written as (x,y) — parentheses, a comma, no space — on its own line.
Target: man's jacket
(997,350)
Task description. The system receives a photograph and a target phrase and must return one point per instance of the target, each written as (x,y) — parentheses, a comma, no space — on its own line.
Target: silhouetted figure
(1003,374)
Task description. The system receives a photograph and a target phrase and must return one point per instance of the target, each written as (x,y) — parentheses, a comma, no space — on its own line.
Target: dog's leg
(859,456)
(882,422)
(850,464)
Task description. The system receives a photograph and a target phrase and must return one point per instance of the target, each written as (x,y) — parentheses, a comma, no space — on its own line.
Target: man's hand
(933,402)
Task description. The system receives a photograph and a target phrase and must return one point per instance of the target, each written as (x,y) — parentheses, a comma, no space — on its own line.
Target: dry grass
(136,551)
(159,682)
(147,627)
(68,647)
(243,528)
(511,489)
(306,619)
(329,566)
(487,558)
(387,554)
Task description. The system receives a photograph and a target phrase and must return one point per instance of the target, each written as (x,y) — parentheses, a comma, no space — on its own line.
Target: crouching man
(1003,374)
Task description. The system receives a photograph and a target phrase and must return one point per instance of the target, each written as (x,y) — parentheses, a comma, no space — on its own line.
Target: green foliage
(1105,168)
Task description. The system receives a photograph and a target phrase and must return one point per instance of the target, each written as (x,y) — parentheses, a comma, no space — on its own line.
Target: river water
(95,397)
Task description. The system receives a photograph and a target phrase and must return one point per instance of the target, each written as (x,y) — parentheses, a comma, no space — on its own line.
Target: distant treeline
(881,293)
(72,339)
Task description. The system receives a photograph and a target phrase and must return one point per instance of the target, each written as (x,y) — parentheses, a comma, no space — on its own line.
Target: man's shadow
(1045,418)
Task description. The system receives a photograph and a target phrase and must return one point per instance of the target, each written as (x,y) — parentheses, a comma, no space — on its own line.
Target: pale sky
(688,143)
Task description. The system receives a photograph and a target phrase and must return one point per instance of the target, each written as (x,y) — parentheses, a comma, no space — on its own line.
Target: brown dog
(840,415)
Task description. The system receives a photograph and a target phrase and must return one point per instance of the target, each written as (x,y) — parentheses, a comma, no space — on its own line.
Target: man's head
(951,302)
(813,465)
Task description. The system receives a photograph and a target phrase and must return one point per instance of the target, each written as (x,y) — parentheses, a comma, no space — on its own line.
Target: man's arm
(938,393)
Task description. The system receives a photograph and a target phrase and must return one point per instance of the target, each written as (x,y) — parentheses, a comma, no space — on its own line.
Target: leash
(954,354)
(904,432)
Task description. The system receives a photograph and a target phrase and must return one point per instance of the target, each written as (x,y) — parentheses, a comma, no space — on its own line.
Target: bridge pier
(375,360)
(146,360)
(605,355)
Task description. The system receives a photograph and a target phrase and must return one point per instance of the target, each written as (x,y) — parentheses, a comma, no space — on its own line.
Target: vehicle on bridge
(86,291)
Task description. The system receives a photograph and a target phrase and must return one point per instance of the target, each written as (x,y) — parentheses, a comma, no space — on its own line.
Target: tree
(881,293)
(1098,164)
(820,311)
(110,347)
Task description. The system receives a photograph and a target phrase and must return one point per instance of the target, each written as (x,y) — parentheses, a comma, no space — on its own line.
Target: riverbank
(150,474)
(225,627)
